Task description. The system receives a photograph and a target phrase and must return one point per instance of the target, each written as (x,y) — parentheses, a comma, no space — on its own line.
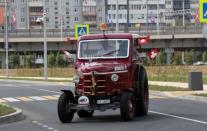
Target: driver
(106,48)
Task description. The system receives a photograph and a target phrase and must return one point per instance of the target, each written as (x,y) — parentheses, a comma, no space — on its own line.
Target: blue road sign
(81,30)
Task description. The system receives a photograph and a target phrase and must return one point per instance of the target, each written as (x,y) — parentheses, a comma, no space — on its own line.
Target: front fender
(68,92)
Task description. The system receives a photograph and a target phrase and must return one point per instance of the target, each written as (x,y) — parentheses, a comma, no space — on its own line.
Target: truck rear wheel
(85,114)
(127,106)
(142,101)
(65,112)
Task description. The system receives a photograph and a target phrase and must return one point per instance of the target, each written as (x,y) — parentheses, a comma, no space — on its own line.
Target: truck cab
(108,76)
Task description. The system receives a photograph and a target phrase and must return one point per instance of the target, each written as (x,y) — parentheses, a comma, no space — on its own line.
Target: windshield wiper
(110,52)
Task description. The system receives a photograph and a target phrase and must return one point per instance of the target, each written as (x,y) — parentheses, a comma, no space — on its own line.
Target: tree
(60,62)
(14,60)
(29,60)
(204,56)
(160,58)
(177,58)
(51,60)
(189,57)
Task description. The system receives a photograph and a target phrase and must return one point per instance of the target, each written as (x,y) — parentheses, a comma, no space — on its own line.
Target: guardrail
(32,33)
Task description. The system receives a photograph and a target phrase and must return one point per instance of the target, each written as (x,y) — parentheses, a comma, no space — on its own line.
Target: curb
(13,117)
(185,97)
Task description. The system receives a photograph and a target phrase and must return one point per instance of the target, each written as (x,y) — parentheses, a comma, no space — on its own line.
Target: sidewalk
(173,84)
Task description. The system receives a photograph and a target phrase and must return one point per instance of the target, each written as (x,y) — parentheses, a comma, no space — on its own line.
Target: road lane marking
(37,98)
(156,97)
(43,125)
(179,117)
(2,101)
(24,99)
(50,97)
(10,99)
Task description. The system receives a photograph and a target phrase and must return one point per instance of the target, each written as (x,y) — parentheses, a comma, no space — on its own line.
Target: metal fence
(164,30)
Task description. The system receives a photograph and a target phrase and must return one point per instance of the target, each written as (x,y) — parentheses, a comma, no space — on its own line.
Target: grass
(166,88)
(5,110)
(155,73)
(202,94)
(174,73)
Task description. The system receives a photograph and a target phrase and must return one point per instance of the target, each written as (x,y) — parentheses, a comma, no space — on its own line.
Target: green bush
(204,56)
(189,57)
(14,60)
(60,61)
(51,60)
(29,61)
(177,58)
(160,58)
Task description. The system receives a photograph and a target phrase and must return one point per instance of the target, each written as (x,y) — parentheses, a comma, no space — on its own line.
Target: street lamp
(6,39)
(39,20)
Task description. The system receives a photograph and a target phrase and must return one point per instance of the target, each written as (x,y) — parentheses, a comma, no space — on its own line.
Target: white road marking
(50,128)
(39,89)
(10,99)
(179,117)
(37,98)
(44,126)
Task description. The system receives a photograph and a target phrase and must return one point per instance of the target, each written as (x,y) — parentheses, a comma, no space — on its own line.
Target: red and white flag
(14,19)
(196,16)
(153,54)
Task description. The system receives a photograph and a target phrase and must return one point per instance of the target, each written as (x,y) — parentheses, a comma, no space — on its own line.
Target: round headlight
(114,77)
(83,100)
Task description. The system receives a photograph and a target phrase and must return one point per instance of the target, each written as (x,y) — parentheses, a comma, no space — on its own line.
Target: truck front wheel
(65,112)
(127,106)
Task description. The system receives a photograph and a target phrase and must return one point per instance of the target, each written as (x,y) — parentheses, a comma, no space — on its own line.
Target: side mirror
(143,40)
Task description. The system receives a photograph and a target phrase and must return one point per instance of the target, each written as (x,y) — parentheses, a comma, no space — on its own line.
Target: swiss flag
(153,54)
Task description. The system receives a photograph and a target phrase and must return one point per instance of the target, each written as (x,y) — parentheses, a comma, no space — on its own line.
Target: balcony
(89,13)
(35,13)
(35,4)
(93,23)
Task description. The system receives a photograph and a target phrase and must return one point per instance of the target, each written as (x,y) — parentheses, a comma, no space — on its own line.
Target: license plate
(107,101)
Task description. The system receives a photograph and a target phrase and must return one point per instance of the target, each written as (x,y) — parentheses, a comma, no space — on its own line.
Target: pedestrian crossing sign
(81,30)
(203,10)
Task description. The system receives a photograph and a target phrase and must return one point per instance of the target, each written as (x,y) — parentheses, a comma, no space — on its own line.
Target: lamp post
(117,19)
(6,39)
(158,16)
(45,46)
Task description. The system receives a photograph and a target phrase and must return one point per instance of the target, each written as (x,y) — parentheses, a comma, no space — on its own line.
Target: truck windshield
(106,48)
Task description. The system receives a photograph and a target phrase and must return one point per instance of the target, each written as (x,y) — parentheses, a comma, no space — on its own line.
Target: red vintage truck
(109,79)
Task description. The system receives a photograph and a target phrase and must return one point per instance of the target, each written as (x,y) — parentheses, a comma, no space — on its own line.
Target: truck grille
(101,88)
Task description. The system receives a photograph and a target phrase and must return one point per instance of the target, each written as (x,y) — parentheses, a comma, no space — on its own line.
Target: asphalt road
(39,103)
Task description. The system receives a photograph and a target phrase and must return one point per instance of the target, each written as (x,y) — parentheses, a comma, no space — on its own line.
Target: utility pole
(117,19)
(147,15)
(183,15)
(61,20)
(158,16)
(45,43)
(6,39)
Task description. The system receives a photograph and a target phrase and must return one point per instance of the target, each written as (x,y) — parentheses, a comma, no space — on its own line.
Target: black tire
(64,104)
(127,106)
(142,101)
(85,114)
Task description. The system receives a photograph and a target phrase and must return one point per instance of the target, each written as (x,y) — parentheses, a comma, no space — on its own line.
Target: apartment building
(67,13)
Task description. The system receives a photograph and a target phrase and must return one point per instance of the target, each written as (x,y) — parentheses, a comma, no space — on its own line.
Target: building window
(55,3)
(12,1)
(56,22)
(55,8)
(56,17)
(76,18)
(22,19)
(67,3)
(22,1)
(56,13)
(22,10)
